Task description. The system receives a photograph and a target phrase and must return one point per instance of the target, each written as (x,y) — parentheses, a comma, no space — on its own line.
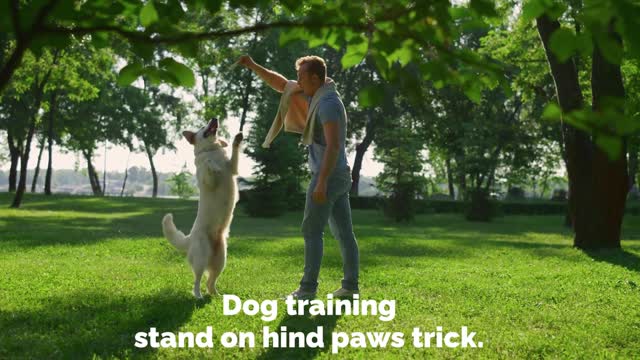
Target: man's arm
(272,78)
(331,152)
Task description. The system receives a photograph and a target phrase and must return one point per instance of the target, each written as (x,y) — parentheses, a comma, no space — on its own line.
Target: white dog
(206,245)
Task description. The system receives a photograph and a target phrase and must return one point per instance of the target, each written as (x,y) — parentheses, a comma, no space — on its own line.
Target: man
(328,193)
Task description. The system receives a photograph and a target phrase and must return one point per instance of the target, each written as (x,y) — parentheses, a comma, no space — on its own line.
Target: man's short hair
(316,66)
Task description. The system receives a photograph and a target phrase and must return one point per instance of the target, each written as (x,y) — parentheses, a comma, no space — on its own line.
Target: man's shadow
(306,324)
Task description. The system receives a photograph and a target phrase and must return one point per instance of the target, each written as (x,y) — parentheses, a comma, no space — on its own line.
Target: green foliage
(563,43)
(267,199)
(148,14)
(399,149)
(180,184)
(281,169)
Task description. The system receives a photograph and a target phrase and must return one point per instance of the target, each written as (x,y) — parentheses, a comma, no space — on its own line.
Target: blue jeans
(337,211)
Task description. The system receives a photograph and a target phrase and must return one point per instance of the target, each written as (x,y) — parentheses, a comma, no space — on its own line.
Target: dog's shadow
(305,324)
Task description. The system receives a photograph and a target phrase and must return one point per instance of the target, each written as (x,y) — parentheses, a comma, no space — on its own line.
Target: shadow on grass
(44,223)
(93,204)
(82,325)
(305,324)
(623,258)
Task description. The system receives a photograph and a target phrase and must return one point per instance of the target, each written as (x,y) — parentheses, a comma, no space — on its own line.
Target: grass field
(81,276)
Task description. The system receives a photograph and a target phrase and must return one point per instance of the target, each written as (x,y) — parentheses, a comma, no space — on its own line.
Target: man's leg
(313,223)
(342,229)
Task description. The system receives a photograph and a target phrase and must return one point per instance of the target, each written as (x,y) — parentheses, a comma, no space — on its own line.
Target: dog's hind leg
(198,260)
(197,275)
(216,262)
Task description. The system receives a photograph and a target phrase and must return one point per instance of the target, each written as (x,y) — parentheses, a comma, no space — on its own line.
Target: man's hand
(237,140)
(246,61)
(319,195)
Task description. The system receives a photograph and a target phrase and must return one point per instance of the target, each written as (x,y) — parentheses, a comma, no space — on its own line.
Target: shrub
(515,193)
(559,195)
(480,207)
(267,199)
(180,184)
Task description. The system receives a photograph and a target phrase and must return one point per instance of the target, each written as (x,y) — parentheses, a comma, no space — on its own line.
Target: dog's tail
(175,236)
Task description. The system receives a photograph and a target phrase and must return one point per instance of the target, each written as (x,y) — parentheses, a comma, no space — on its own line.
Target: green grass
(80,276)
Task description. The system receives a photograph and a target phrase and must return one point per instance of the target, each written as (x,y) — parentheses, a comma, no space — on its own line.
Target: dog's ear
(223,143)
(190,136)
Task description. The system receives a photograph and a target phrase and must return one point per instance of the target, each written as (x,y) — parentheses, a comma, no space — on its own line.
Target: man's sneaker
(302,295)
(344,293)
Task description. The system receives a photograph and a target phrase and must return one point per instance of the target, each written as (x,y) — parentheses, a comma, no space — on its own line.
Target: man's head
(312,72)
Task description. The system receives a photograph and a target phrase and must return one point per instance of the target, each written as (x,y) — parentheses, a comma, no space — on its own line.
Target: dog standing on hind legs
(206,244)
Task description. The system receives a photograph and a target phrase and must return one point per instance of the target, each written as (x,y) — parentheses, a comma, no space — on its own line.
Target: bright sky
(165,160)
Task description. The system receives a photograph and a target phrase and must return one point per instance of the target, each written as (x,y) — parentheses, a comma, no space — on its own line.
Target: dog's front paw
(238,139)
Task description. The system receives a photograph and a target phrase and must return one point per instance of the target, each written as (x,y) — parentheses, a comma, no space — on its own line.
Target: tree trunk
(153,172)
(93,176)
(361,150)
(462,179)
(47,181)
(34,182)
(104,172)
(14,154)
(610,176)
(245,100)
(24,161)
(24,157)
(124,182)
(597,185)
(452,193)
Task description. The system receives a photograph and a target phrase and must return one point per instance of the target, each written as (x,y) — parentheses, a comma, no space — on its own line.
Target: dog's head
(206,138)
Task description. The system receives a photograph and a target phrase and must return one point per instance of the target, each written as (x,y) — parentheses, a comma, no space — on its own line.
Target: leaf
(584,43)
(129,74)
(291,35)
(100,39)
(532,9)
(555,9)
(552,112)
(473,90)
(563,43)
(612,145)
(153,74)
(484,7)
(382,63)
(371,95)
(6,23)
(610,49)
(148,14)
(183,73)
(292,5)
(142,49)
(403,54)
(355,54)
(189,49)
(213,6)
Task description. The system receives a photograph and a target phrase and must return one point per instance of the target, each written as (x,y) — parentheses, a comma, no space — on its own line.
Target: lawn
(81,276)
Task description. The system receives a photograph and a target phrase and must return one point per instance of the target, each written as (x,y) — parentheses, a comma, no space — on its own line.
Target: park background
(494,153)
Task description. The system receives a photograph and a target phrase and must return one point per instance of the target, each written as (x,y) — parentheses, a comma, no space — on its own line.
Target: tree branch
(190,36)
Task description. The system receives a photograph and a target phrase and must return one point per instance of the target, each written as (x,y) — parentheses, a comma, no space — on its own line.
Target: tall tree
(597,165)
(30,89)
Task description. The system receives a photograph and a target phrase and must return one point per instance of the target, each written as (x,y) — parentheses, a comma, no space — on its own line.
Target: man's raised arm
(272,78)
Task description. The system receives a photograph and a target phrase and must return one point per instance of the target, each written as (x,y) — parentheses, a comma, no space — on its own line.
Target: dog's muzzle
(212,127)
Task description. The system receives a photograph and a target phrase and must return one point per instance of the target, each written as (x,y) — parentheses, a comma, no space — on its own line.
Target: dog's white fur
(206,244)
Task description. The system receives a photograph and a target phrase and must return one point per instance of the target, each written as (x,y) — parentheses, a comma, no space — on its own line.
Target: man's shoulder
(331,100)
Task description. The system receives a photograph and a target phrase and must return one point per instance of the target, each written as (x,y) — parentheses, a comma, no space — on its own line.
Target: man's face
(309,83)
